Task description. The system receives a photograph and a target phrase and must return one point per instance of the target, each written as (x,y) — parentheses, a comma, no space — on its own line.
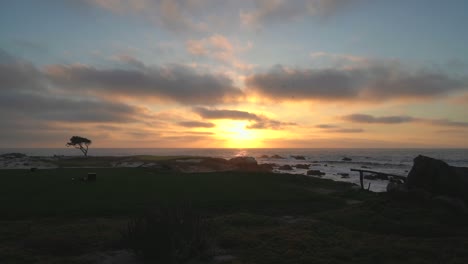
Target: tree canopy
(80,143)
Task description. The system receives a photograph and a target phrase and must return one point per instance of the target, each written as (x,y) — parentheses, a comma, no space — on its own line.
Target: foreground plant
(169,235)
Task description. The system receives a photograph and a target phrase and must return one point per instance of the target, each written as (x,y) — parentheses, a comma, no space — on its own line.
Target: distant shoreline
(330,162)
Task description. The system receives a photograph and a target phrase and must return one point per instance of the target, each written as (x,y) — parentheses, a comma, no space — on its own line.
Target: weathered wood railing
(389,175)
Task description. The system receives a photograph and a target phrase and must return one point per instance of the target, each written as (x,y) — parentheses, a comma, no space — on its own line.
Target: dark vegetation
(46,217)
(170,234)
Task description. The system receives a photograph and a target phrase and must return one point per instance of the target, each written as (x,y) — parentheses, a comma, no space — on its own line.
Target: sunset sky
(234,73)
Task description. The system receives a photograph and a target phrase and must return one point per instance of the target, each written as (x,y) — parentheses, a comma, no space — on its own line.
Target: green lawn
(125,191)
(46,217)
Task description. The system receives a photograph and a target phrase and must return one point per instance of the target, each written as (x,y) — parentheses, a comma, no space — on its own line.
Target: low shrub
(170,235)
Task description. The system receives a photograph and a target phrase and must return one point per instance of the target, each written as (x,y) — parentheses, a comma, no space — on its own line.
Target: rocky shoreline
(428,174)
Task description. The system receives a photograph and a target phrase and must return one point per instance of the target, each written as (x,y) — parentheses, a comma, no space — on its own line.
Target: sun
(236,135)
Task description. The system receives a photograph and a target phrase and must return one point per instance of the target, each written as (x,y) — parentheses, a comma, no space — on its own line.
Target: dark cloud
(196,124)
(347,130)
(68,110)
(280,83)
(27,96)
(225,114)
(341,141)
(258,122)
(337,129)
(375,82)
(175,82)
(18,76)
(270,124)
(448,123)
(362,118)
(420,85)
(326,126)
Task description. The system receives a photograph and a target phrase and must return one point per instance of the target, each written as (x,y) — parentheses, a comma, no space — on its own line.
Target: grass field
(46,217)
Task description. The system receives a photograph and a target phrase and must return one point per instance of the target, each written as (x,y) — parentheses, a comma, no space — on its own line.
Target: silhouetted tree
(80,143)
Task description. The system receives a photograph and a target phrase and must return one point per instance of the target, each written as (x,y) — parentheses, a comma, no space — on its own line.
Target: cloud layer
(257,121)
(373,83)
(389,120)
(277,11)
(174,82)
(329,128)
(362,118)
(196,124)
(196,15)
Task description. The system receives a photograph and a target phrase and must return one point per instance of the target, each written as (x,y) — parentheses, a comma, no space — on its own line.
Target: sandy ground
(10,162)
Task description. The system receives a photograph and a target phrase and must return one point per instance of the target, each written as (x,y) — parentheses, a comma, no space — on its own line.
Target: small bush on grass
(170,235)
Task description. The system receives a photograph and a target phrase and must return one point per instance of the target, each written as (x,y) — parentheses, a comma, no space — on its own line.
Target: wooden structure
(388,175)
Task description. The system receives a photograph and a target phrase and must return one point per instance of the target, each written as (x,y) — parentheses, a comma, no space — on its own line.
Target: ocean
(329,161)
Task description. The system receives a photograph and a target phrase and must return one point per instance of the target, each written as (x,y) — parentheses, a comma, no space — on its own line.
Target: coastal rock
(210,164)
(243,161)
(276,157)
(302,166)
(249,164)
(299,157)
(438,178)
(264,157)
(13,155)
(285,167)
(344,175)
(315,173)
(346,159)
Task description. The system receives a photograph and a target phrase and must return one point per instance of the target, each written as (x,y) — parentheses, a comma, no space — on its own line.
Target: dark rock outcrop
(249,164)
(276,157)
(207,164)
(344,175)
(243,161)
(13,155)
(346,159)
(299,157)
(302,166)
(315,173)
(285,167)
(438,178)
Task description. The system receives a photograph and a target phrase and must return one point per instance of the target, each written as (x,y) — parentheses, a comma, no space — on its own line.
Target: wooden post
(361,178)
(388,175)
